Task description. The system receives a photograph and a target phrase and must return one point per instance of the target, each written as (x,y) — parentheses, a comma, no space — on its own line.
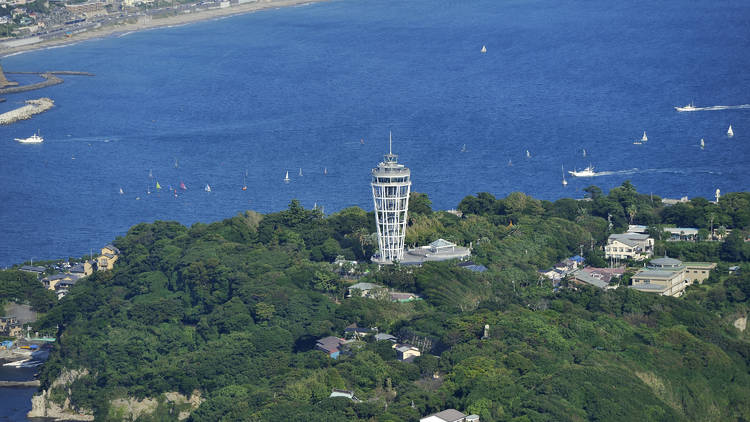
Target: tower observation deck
(391,185)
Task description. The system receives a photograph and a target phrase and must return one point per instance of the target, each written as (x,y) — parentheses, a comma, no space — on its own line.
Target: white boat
(33,139)
(121,192)
(207,188)
(528,154)
(644,138)
(564,182)
(286,178)
(300,171)
(484,49)
(584,152)
(17,364)
(703,144)
(463,148)
(587,172)
(637,142)
(325,170)
(730,132)
(689,107)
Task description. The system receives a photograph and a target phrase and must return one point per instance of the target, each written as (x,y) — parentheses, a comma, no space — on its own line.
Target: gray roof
(442,243)
(450,415)
(364,286)
(666,262)
(649,286)
(329,343)
(652,273)
(633,236)
(32,269)
(113,248)
(384,336)
(587,278)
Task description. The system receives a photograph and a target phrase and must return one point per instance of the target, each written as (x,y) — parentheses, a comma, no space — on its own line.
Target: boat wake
(646,171)
(713,108)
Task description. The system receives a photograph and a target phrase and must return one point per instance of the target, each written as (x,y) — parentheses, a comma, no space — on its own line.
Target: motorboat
(587,172)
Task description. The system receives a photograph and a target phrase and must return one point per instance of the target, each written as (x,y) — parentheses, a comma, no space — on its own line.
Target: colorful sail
(182,186)
(158,186)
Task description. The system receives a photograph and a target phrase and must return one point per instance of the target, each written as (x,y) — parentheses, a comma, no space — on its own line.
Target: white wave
(719,107)
(645,171)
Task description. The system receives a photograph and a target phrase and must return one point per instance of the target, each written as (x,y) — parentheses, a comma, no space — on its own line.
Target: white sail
(484,49)
(207,188)
(286,178)
(564,182)
(528,154)
(121,192)
(703,144)
(644,138)
(300,171)
(730,132)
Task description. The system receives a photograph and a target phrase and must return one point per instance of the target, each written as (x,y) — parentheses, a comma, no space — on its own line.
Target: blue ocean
(315,90)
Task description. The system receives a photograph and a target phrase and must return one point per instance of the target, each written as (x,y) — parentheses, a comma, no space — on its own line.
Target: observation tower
(391,185)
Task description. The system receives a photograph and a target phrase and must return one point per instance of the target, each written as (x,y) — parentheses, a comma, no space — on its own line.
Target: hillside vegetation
(232,310)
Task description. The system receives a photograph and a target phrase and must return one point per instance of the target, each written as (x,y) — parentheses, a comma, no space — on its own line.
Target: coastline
(176,20)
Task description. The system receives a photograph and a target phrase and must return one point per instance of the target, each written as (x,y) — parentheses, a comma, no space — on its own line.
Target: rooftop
(665,262)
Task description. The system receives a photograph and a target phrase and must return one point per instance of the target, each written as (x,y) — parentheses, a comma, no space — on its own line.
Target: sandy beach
(180,19)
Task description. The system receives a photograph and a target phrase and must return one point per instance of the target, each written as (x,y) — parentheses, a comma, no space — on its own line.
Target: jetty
(31,108)
(49,80)
(11,384)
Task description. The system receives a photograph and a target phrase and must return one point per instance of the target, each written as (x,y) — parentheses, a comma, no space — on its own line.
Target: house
(365,289)
(682,233)
(331,345)
(83,269)
(450,415)
(636,228)
(439,250)
(471,266)
(552,274)
(697,272)
(52,281)
(106,261)
(38,271)
(578,259)
(665,276)
(581,277)
(733,269)
(634,246)
(10,327)
(403,297)
(385,337)
(345,393)
(356,332)
(406,352)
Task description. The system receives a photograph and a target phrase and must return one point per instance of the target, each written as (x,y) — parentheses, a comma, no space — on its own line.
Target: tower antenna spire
(390,142)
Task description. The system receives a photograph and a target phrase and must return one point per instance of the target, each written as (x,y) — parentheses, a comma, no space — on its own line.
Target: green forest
(232,309)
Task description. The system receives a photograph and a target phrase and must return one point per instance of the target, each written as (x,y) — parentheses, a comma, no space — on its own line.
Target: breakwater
(49,80)
(11,384)
(31,108)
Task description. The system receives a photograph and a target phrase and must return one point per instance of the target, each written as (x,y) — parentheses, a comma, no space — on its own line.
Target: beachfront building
(450,415)
(669,276)
(635,246)
(391,185)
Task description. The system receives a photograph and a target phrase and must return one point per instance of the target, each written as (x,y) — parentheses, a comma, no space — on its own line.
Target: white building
(634,246)
(391,185)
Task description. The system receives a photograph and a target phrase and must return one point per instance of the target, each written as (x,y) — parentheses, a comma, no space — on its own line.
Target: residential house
(345,393)
(385,337)
(37,271)
(52,281)
(355,332)
(665,276)
(581,277)
(471,266)
(106,261)
(682,233)
(552,274)
(365,289)
(331,345)
(403,297)
(83,269)
(634,246)
(450,415)
(407,352)
(10,327)
(697,272)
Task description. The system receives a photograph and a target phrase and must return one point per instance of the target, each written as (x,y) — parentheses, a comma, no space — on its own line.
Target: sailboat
(158,186)
(300,171)
(730,132)
(286,178)
(182,186)
(564,182)
(207,188)
(703,144)
(528,154)
(463,148)
(362,141)
(148,190)
(584,152)
(176,164)
(510,163)
(150,175)
(644,138)
(325,170)
(484,49)
(121,192)
(244,181)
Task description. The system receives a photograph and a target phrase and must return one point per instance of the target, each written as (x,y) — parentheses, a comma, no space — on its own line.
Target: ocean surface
(15,403)
(299,89)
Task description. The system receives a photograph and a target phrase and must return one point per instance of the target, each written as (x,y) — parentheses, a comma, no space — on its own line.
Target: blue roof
(577,258)
(476,268)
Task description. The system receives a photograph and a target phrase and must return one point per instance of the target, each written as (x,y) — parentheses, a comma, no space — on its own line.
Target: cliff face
(43,407)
